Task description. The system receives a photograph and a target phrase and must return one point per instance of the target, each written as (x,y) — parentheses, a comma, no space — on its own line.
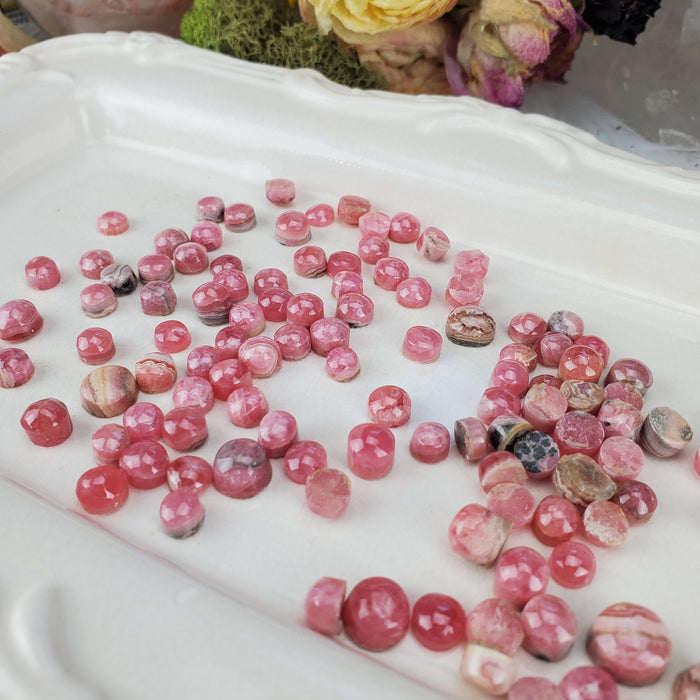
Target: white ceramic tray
(111,607)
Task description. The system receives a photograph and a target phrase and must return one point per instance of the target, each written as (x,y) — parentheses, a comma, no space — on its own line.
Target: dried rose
(621,20)
(410,60)
(507,44)
(358,21)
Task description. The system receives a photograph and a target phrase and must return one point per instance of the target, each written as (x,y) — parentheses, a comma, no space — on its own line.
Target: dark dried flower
(621,20)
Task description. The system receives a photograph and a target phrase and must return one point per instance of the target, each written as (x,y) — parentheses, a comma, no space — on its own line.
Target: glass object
(58,17)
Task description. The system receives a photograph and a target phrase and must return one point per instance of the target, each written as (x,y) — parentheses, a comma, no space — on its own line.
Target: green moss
(270,31)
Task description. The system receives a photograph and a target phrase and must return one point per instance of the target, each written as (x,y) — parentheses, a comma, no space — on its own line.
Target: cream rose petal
(323,12)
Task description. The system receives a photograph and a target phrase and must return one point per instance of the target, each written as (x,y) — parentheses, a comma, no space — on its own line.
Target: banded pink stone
(631,643)
(488,669)
(280,191)
(555,520)
(521,573)
(512,501)
(550,627)
(20,319)
(605,524)
(389,406)
(371,450)
(304,458)
(471,438)
(543,406)
(477,534)
(495,623)
(572,564)
(526,327)
(437,621)
(376,613)
(320,215)
(588,683)
(372,249)
(16,368)
(404,228)
(323,605)
(620,458)
(422,344)
(181,513)
(277,431)
(534,688)
(342,364)
(328,492)
(430,442)
(501,467)
(637,500)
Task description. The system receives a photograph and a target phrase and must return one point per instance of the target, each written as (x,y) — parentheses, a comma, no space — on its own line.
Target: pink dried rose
(507,44)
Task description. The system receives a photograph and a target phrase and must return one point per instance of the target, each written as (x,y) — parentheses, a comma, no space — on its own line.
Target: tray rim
(475,112)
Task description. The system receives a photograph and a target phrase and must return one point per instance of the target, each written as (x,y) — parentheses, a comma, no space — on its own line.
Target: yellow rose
(359,21)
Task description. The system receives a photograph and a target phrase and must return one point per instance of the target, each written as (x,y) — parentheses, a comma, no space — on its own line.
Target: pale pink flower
(411,60)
